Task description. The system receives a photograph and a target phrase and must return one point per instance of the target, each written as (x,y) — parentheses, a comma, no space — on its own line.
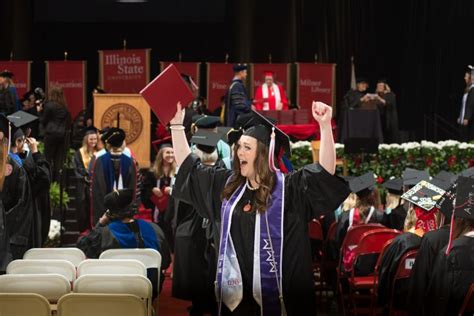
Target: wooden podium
(131,113)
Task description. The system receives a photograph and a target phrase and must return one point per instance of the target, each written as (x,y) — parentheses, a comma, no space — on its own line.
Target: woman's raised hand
(179,116)
(322,112)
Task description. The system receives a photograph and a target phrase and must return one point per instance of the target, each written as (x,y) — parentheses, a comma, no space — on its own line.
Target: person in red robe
(270,96)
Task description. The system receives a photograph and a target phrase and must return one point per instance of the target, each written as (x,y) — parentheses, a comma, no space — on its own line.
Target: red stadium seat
(403,272)
(376,278)
(371,243)
(353,235)
(468,305)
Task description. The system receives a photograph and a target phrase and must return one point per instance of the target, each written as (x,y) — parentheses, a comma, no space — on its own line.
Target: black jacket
(56,120)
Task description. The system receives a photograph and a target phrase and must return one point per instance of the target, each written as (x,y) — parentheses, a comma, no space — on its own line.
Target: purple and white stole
(267,267)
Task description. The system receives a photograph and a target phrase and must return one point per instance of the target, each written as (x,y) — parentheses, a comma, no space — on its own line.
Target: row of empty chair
(56,273)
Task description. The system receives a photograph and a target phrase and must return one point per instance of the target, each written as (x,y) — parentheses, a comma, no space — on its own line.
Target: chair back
(74,255)
(111,266)
(332,231)
(51,286)
(405,265)
(14,304)
(133,284)
(151,258)
(33,266)
(372,242)
(79,304)
(468,305)
(315,230)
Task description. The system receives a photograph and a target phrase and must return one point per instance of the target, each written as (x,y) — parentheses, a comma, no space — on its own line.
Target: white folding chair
(15,304)
(111,266)
(74,255)
(51,286)
(79,304)
(151,258)
(32,266)
(133,284)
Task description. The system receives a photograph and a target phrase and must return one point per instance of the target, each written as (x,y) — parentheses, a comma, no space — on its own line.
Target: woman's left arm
(322,113)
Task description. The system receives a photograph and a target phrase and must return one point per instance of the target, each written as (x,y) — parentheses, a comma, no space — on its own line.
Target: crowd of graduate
(227,210)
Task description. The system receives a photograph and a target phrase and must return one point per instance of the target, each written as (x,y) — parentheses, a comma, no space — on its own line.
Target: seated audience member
(453,269)
(210,123)
(395,208)
(117,229)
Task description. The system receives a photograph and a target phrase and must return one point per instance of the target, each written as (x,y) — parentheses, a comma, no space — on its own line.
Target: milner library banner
(315,82)
(124,71)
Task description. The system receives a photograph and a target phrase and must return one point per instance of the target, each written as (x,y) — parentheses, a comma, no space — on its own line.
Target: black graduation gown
(388,267)
(452,278)
(82,193)
(101,184)
(18,203)
(396,219)
(101,239)
(39,176)
(389,118)
(309,193)
(422,271)
(5,253)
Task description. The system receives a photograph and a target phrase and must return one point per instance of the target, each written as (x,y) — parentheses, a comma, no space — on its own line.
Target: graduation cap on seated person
(118,203)
(259,127)
(464,205)
(468,173)
(424,194)
(394,186)
(445,204)
(206,141)
(413,176)
(363,185)
(444,179)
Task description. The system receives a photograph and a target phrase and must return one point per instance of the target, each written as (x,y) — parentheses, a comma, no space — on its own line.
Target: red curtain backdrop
(190,68)
(124,71)
(21,74)
(71,76)
(315,82)
(219,77)
(281,76)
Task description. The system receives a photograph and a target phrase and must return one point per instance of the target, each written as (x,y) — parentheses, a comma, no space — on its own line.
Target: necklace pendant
(247,207)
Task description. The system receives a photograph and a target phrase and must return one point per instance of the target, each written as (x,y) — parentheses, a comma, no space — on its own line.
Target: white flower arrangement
(54,230)
(300,144)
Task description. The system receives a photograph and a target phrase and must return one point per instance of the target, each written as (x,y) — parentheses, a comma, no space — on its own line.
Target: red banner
(281,76)
(189,68)
(71,76)
(21,75)
(315,82)
(219,77)
(124,71)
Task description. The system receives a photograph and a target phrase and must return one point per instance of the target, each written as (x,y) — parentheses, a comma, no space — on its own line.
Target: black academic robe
(396,219)
(422,271)
(39,176)
(104,175)
(19,208)
(101,239)
(452,277)
(388,267)
(309,193)
(389,118)
(82,193)
(352,99)
(5,252)
(237,102)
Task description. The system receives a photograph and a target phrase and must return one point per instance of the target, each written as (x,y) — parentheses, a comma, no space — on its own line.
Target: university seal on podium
(126,117)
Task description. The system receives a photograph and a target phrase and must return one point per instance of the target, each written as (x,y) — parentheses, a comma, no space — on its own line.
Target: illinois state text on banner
(21,75)
(71,76)
(189,68)
(281,76)
(315,82)
(219,77)
(124,71)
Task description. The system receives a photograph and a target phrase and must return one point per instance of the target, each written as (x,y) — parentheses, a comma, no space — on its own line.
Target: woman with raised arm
(264,255)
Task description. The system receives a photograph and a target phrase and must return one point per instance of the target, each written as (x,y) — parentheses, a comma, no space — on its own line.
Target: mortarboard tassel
(451,230)
(271,152)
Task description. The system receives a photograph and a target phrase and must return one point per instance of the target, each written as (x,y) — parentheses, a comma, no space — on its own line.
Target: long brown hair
(265,178)
(462,226)
(56,95)
(364,203)
(157,167)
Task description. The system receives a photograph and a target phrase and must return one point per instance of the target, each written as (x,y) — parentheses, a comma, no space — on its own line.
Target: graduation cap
(444,179)
(6,74)
(424,195)
(18,120)
(119,202)
(114,136)
(445,204)
(90,130)
(206,141)
(268,73)
(363,185)
(205,121)
(468,173)
(394,186)
(239,67)
(413,176)
(164,142)
(464,207)
(361,79)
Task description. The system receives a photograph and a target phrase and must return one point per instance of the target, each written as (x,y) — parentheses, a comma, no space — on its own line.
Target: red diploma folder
(165,91)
